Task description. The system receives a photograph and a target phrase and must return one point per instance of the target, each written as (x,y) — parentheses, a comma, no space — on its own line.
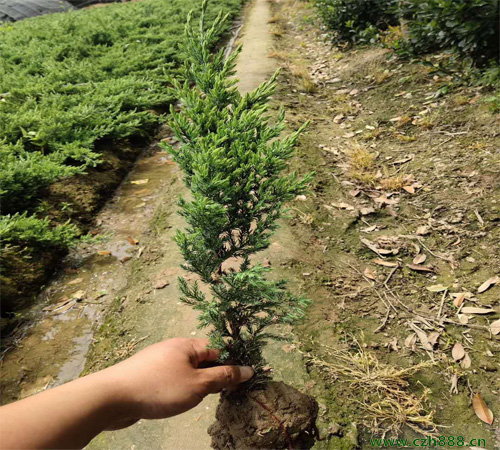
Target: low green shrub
(24,230)
(357,20)
(468,27)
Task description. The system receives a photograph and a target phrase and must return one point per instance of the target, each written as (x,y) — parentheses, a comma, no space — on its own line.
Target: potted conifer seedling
(233,164)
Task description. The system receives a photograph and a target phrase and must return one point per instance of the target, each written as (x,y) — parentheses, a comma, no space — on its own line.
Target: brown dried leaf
(437,288)
(463,319)
(423,230)
(66,307)
(419,268)
(132,241)
(409,189)
(474,310)
(78,295)
(57,305)
(343,205)
(488,283)
(368,273)
(382,262)
(466,362)
(420,259)
(459,299)
(433,337)
(140,181)
(366,211)
(104,253)
(124,259)
(160,284)
(410,341)
(482,411)
(454,384)
(458,351)
(495,327)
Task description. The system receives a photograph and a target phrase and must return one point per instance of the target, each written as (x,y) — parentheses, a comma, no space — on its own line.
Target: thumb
(220,377)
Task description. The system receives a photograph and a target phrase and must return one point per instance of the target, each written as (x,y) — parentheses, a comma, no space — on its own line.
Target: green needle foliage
(234,166)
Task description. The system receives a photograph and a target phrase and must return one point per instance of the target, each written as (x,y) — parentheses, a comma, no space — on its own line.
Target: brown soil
(276,416)
(77,199)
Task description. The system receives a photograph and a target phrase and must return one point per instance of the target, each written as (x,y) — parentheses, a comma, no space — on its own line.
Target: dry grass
(274,19)
(381,389)
(394,183)
(380,77)
(304,81)
(279,55)
(429,121)
(362,165)
(277,31)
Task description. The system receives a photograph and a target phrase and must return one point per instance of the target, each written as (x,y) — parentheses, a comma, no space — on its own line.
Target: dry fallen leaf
(419,259)
(488,283)
(419,268)
(463,319)
(409,189)
(458,351)
(124,259)
(466,362)
(132,241)
(459,299)
(433,337)
(57,305)
(422,337)
(367,211)
(78,295)
(423,230)
(65,308)
(160,284)
(482,411)
(474,310)
(382,262)
(410,341)
(104,253)
(140,181)
(368,273)
(454,384)
(495,327)
(343,205)
(437,288)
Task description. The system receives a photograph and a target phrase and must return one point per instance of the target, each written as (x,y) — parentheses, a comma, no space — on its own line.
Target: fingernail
(246,373)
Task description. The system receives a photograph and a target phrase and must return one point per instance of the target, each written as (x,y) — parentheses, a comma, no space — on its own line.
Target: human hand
(165,379)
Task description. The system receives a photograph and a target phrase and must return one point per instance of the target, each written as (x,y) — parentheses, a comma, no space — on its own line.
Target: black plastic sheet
(14,10)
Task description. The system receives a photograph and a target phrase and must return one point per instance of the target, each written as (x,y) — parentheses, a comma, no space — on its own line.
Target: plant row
(469,28)
(70,82)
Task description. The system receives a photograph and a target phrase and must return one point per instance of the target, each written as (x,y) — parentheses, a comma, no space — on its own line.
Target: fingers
(220,377)
(203,353)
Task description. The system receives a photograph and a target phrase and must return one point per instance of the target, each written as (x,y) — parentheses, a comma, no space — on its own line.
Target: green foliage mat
(68,80)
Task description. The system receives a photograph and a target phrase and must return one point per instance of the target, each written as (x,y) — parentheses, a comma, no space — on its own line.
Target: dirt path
(131,287)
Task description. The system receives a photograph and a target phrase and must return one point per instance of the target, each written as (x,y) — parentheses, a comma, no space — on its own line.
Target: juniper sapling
(234,165)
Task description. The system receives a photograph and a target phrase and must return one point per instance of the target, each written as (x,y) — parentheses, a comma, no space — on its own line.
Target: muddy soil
(402,174)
